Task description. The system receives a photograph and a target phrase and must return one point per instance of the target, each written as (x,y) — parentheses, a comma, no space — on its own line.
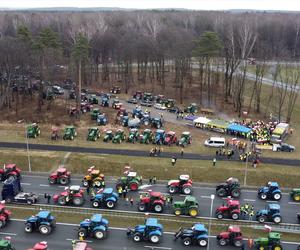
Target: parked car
(284,147)
(132,100)
(146,103)
(159,106)
(215,142)
(57,90)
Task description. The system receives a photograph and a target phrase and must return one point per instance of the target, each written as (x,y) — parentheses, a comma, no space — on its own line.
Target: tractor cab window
(232,207)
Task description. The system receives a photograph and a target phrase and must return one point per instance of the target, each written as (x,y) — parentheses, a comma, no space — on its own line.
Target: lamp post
(27,147)
(246,167)
(212,197)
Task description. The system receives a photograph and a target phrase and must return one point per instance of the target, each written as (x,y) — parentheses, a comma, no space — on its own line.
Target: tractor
(170,138)
(94,113)
(138,95)
(70,133)
(156,123)
(183,185)
(232,236)
(159,136)
(131,180)
(152,201)
(102,120)
(122,112)
(43,222)
(60,176)
(106,198)
(152,231)
(295,194)
(169,103)
(4,216)
(73,195)
(146,137)
(85,107)
(115,90)
(187,207)
(123,120)
(105,101)
(270,192)
(119,136)
(9,171)
(95,227)
(147,96)
(108,136)
(192,108)
(73,111)
(196,235)
(93,134)
(133,135)
(185,139)
(229,210)
(93,99)
(54,133)
(33,131)
(116,104)
(272,242)
(230,188)
(271,213)
(94,178)
(137,113)
(5,244)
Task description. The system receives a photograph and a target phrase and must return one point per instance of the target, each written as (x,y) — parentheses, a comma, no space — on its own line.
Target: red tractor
(170,138)
(4,216)
(9,170)
(60,176)
(43,245)
(183,185)
(54,133)
(72,195)
(152,201)
(229,210)
(232,236)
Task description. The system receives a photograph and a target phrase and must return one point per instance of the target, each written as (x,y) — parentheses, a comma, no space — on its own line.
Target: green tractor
(192,108)
(133,135)
(272,242)
(70,133)
(108,136)
(119,136)
(131,180)
(169,103)
(146,137)
(187,207)
(5,244)
(94,113)
(185,139)
(93,99)
(33,130)
(93,134)
(295,194)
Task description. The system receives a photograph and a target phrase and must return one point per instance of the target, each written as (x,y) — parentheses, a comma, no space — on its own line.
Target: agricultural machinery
(233,236)
(187,207)
(73,111)
(4,216)
(60,176)
(230,188)
(85,107)
(147,96)
(94,178)
(43,222)
(54,133)
(33,131)
(156,123)
(106,198)
(170,138)
(270,192)
(230,209)
(94,113)
(9,171)
(152,201)
(119,136)
(5,244)
(185,139)
(108,136)
(146,137)
(115,90)
(102,120)
(131,180)
(93,134)
(295,194)
(183,185)
(138,95)
(71,195)
(95,227)
(70,133)
(122,112)
(272,242)
(192,108)
(104,101)
(196,235)
(137,112)
(159,136)
(116,104)
(152,231)
(93,99)
(133,135)
(271,213)
(169,103)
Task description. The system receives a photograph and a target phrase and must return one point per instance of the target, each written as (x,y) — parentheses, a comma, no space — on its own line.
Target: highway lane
(61,236)
(40,185)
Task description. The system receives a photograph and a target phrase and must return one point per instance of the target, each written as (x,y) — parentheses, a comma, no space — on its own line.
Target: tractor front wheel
(44,229)
(187,190)
(172,189)
(279,247)
(187,241)
(277,196)
(99,234)
(237,243)
(28,228)
(96,204)
(137,238)
(202,242)
(219,216)
(235,193)
(221,192)
(222,242)
(235,216)
(142,207)
(52,181)
(277,219)
(82,233)
(262,219)
(154,238)
(62,201)
(177,211)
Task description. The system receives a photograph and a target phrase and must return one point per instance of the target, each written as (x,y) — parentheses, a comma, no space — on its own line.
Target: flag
(268,228)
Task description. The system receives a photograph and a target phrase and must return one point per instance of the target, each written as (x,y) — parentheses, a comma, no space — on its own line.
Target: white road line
(25,184)
(154,247)
(249,200)
(272,201)
(12,234)
(294,203)
(184,195)
(44,185)
(205,197)
(88,241)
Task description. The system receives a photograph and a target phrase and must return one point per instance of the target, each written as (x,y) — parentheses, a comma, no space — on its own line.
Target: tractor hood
(174,182)
(85,223)
(179,204)
(224,235)
(140,228)
(263,190)
(262,241)
(31,219)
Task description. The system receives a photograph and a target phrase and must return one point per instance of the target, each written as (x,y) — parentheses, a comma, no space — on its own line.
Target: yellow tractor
(94,178)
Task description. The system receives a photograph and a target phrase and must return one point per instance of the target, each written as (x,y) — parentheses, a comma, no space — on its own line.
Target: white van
(216,142)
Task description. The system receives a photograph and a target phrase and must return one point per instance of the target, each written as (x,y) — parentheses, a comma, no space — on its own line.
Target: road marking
(154,247)
(249,200)
(88,241)
(12,234)
(184,195)
(205,196)
(272,201)
(25,184)
(44,185)
(294,203)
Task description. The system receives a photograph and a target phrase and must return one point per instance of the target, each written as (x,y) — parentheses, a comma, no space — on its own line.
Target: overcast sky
(145,4)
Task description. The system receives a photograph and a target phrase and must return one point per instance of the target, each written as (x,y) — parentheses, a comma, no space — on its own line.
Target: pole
(27,146)
(212,197)
(246,167)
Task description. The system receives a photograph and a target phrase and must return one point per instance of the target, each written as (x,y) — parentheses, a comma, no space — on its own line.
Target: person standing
(182,152)
(124,193)
(173,161)
(150,181)
(214,161)
(131,201)
(88,190)
(48,198)
(154,179)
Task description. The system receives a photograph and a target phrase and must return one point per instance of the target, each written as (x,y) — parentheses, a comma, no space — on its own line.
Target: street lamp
(27,147)
(246,167)
(212,197)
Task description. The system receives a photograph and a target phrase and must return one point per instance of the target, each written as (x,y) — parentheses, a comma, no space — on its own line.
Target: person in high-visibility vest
(250,243)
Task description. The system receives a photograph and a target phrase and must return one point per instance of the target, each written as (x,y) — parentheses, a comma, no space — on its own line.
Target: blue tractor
(124,121)
(96,227)
(137,113)
(271,213)
(102,120)
(156,123)
(270,192)
(196,235)
(105,101)
(107,198)
(43,222)
(159,136)
(152,231)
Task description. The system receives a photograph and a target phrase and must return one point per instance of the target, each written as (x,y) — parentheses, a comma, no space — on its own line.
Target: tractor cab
(131,175)
(33,130)
(74,189)
(185,139)
(170,138)
(61,171)
(108,136)
(138,95)
(70,133)
(122,112)
(199,229)
(94,114)
(43,216)
(234,232)
(102,119)
(54,133)
(147,96)
(232,204)
(97,220)
(190,201)
(192,108)
(273,209)
(183,179)
(152,225)
(159,136)
(232,181)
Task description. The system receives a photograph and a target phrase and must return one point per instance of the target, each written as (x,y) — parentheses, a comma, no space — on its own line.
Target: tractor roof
(170,100)
(273,184)
(75,188)
(70,127)
(4,243)
(193,104)
(186,133)
(93,128)
(234,229)
(274,235)
(233,202)
(132,174)
(120,130)
(171,133)
(152,222)
(43,214)
(199,227)
(274,206)
(61,170)
(155,194)
(190,199)
(184,177)
(96,218)
(232,180)
(160,131)
(133,129)
(107,191)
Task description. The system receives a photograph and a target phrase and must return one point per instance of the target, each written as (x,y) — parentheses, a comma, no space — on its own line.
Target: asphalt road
(40,186)
(61,236)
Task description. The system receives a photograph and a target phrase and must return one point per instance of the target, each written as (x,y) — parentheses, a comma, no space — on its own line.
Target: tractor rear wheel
(96,204)
(187,241)
(158,208)
(177,211)
(137,238)
(222,242)
(172,189)
(221,192)
(187,190)
(62,200)
(99,234)
(85,183)
(44,229)
(142,207)
(155,238)
(78,201)
(235,216)
(237,243)
(235,193)
(278,247)
(262,219)
(110,204)
(133,186)
(202,242)
(52,180)
(193,212)
(277,219)
(296,197)
(63,181)
(28,228)
(82,232)
(277,196)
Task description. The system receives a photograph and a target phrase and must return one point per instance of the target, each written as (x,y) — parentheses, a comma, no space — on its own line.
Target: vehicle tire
(172,189)
(277,219)
(237,243)
(62,201)
(72,137)
(8,200)
(155,238)
(85,183)
(263,196)
(279,247)
(78,201)
(236,193)
(158,208)
(187,241)
(219,216)
(2,223)
(146,123)
(202,242)
(222,242)
(221,192)
(82,232)
(277,196)
(95,204)
(30,202)
(235,216)
(137,238)
(96,184)
(296,197)
(187,190)
(28,228)
(177,211)
(142,207)
(99,234)
(262,219)
(44,229)
(193,212)
(52,181)
(110,204)
(63,181)
(133,186)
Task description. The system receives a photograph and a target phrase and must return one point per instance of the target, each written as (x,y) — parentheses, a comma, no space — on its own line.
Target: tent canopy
(202,120)
(238,128)
(218,124)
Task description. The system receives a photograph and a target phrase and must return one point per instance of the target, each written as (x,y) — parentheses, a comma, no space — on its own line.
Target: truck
(280,132)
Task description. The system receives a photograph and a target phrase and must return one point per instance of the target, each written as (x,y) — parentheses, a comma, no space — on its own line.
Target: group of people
(123,191)
(156,151)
